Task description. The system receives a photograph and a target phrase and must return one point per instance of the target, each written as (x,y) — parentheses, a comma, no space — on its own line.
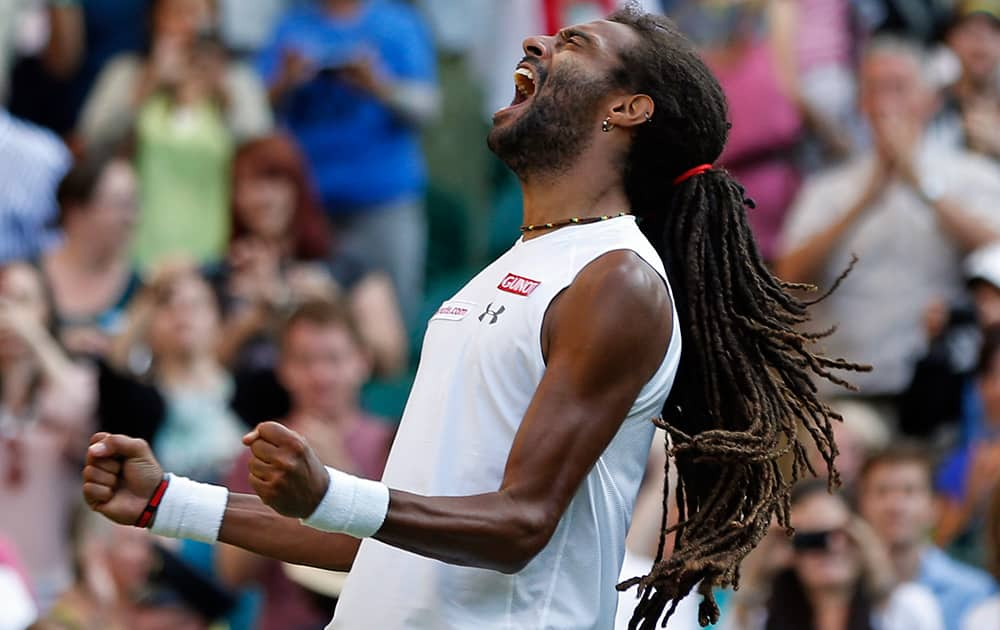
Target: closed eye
(574,37)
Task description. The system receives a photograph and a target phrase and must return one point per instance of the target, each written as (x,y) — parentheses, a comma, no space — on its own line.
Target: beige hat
(984,264)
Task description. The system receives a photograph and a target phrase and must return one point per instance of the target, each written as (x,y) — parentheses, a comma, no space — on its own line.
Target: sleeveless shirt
(480,365)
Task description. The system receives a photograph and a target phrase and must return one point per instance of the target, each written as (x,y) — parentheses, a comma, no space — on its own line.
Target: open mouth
(524,85)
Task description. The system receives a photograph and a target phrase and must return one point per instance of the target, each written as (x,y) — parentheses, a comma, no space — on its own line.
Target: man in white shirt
(510,486)
(909,210)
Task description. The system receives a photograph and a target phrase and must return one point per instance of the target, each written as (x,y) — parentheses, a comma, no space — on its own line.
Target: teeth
(524,80)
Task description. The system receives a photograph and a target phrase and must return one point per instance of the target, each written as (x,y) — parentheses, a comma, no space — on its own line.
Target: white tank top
(479,368)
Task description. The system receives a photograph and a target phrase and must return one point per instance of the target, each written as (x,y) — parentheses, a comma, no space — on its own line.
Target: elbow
(527,536)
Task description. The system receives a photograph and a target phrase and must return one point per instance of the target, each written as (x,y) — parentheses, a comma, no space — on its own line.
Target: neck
(592,188)
(906,561)
(831,608)
(84,255)
(183,369)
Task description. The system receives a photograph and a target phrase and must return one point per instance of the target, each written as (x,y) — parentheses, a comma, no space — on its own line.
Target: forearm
(64,52)
(968,233)
(804,263)
(489,531)
(251,525)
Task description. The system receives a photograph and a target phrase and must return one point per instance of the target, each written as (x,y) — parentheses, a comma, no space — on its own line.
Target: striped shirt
(32,162)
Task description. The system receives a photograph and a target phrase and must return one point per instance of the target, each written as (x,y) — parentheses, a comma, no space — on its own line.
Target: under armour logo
(494,315)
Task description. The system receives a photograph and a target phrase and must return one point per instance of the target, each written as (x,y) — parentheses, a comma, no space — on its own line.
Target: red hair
(277,155)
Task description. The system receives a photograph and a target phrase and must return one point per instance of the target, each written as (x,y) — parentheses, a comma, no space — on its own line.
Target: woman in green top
(187,106)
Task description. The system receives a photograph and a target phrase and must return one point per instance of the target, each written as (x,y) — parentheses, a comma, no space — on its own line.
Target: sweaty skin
(603,338)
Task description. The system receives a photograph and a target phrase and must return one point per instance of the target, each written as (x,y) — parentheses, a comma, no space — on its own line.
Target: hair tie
(688,174)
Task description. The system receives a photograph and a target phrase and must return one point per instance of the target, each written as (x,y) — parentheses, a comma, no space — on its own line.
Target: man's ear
(631,111)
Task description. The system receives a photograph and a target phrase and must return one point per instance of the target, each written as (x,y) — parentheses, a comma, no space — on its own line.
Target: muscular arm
(597,364)
(598,361)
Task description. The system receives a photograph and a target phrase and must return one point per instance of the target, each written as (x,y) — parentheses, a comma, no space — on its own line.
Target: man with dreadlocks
(509,489)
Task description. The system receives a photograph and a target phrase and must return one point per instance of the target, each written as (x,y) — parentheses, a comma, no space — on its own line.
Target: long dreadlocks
(744,385)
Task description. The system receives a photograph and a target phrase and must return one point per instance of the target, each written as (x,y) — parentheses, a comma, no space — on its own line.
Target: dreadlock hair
(744,387)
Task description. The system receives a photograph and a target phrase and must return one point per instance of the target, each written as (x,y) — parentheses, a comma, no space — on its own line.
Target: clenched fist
(284,471)
(119,477)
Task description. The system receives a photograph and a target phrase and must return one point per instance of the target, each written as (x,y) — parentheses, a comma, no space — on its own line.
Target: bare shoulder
(619,303)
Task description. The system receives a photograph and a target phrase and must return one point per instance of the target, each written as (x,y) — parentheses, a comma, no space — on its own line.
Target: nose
(537,46)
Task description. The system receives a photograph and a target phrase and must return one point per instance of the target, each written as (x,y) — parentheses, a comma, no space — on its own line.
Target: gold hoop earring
(606,126)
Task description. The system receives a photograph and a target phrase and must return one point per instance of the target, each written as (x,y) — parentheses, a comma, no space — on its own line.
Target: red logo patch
(518,285)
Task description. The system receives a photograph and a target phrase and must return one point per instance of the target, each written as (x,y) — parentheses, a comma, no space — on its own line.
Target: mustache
(536,67)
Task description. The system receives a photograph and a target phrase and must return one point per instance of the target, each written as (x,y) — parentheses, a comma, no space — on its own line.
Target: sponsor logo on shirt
(454,310)
(518,285)
(493,313)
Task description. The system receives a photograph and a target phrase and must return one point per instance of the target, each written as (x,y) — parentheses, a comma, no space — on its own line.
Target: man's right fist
(119,477)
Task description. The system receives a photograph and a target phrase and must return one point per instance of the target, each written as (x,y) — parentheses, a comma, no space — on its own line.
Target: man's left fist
(284,471)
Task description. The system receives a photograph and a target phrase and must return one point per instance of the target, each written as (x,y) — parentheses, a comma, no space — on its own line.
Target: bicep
(596,368)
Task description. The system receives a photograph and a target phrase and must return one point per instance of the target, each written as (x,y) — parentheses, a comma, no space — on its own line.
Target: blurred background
(218,212)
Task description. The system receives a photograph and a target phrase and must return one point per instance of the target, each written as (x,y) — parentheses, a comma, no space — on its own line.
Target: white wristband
(190,509)
(351,505)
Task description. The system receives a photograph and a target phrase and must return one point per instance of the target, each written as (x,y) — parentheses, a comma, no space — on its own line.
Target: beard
(556,127)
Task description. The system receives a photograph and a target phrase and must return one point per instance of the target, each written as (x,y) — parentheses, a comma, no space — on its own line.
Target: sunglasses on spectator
(814,541)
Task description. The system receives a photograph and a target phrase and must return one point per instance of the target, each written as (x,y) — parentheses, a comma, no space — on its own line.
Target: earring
(606,126)
(649,118)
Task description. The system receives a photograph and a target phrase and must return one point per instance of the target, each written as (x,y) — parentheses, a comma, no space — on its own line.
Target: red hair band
(688,174)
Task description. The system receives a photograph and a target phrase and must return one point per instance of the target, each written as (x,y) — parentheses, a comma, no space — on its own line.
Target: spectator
(323,366)
(32,161)
(354,80)
(177,319)
(907,209)
(986,616)
(179,597)
(895,497)
(277,258)
(113,564)
(970,114)
(970,472)
(90,275)
(51,82)
(982,269)
(188,106)
(942,393)
(767,121)
(917,19)
(46,414)
(836,579)
(860,433)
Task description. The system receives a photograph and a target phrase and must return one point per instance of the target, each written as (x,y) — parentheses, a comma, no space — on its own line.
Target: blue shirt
(32,163)
(360,152)
(956,586)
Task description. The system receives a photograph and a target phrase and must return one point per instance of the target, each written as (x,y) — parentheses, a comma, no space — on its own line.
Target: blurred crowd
(219,212)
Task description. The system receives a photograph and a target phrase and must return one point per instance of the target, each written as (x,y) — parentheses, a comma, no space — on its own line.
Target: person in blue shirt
(972,470)
(895,496)
(353,80)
